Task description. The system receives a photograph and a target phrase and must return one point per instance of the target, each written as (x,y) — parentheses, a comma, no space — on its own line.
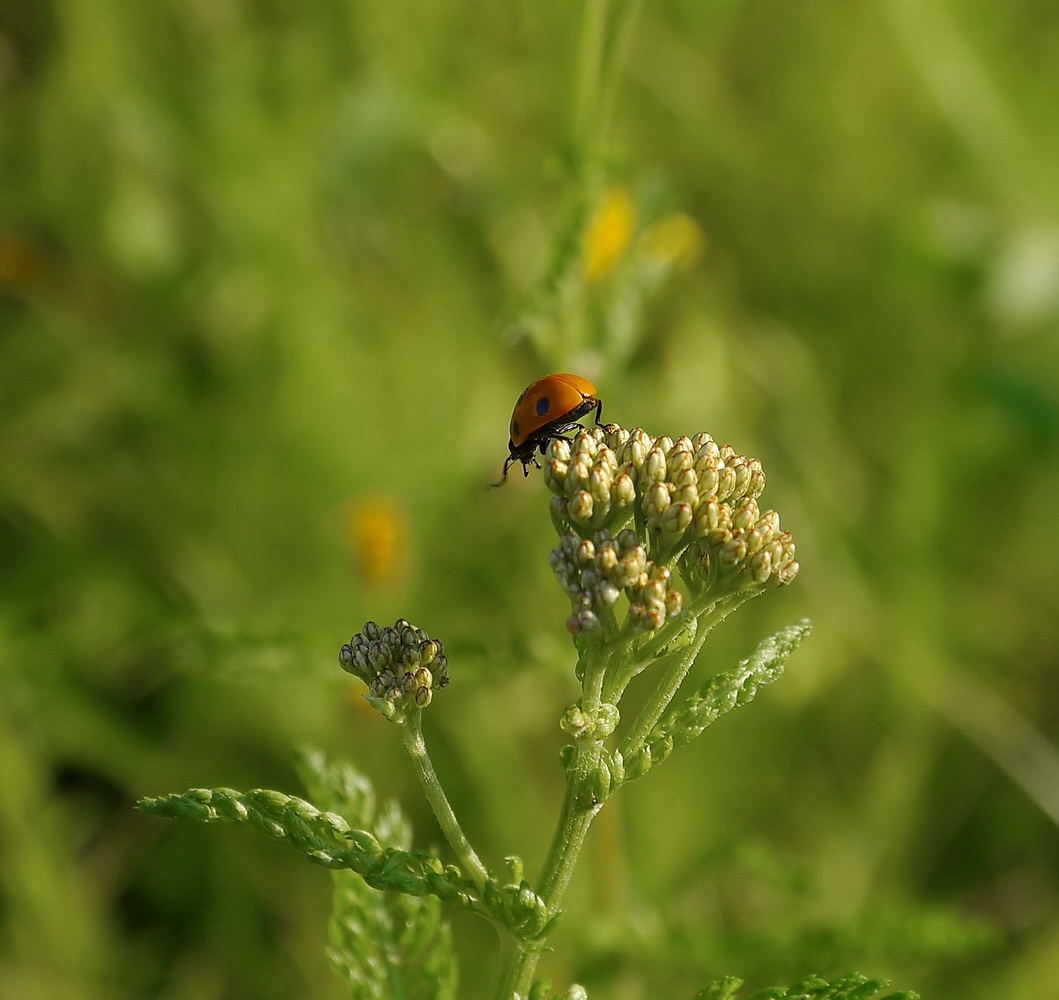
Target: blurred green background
(271,277)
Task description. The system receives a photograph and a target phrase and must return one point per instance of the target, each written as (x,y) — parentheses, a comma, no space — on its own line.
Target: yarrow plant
(658,541)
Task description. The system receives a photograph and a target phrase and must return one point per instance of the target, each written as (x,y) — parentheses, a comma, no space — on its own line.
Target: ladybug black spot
(514,428)
(544,404)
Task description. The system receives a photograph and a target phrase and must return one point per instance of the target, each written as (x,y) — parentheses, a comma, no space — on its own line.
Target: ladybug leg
(503,475)
(599,413)
(560,431)
(507,465)
(557,435)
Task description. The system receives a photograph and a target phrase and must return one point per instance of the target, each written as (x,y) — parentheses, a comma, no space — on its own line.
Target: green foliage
(542,990)
(255,267)
(687,719)
(851,987)
(382,945)
(323,837)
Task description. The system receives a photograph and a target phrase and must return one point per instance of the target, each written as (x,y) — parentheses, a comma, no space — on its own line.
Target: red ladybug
(549,408)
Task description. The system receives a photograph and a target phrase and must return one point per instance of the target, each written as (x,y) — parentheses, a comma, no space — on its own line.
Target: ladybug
(549,408)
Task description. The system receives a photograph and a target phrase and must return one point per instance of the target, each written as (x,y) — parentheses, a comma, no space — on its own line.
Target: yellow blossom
(609,233)
(675,240)
(376,530)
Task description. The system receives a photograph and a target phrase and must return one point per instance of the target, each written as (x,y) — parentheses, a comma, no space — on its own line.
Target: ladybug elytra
(547,409)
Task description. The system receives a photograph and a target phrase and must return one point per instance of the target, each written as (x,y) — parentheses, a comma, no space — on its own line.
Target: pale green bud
(607,719)
(733,551)
(585,552)
(557,509)
(709,481)
(653,592)
(725,482)
(586,446)
(600,782)
(624,491)
(608,594)
(607,559)
(410,657)
(579,508)
(708,517)
(655,501)
(653,469)
(676,518)
(679,459)
(686,479)
(574,721)
(555,472)
(559,449)
(742,477)
(674,601)
(756,540)
(599,485)
(576,476)
(586,621)
(760,565)
(746,513)
(770,522)
(757,480)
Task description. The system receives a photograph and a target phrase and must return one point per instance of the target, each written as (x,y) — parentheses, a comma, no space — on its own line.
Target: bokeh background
(271,277)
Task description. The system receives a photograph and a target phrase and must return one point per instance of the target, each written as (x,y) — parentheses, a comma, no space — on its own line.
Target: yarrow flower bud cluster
(401,665)
(596,571)
(743,540)
(694,501)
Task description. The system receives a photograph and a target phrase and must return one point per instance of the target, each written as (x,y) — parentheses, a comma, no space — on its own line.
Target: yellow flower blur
(674,240)
(375,530)
(609,233)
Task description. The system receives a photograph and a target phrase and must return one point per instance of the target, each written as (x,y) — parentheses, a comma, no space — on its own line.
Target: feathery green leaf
(718,696)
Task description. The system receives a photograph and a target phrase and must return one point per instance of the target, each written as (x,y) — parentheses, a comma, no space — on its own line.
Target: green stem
(589,74)
(579,809)
(663,695)
(674,677)
(626,20)
(592,681)
(645,656)
(416,746)
(518,963)
(598,71)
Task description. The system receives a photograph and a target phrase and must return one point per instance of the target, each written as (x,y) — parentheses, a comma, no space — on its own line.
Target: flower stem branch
(412,734)
(589,77)
(674,677)
(578,811)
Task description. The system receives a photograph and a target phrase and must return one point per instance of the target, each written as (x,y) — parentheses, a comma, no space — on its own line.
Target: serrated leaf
(718,696)
(852,986)
(721,989)
(382,945)
(325,838)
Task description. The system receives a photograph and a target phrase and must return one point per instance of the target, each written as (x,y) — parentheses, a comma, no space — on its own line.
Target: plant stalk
(579,809)
(414,743)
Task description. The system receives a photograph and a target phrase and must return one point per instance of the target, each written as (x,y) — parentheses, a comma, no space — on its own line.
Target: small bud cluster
(740,539)
(402,665)
(690,494)
(590,489)
(596,571)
